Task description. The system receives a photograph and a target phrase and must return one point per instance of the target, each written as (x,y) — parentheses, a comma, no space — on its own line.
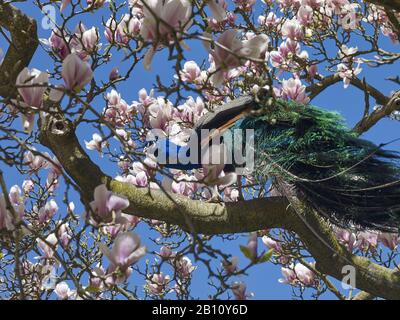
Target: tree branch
(24,42)
(369,120)
(388,4)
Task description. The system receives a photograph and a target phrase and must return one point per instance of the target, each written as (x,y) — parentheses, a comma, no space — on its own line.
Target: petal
(148,57)
(125,244)
(136,255)
(217,10)
(117,203)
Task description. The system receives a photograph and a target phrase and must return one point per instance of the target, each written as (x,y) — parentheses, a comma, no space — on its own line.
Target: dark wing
(221,115)
(225,116)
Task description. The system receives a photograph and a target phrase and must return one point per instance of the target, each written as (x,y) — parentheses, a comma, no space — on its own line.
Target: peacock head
(264,98)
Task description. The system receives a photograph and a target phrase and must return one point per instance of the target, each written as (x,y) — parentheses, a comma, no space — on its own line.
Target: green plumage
(347,179)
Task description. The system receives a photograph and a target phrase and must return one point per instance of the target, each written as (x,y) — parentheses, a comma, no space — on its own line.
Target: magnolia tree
(90,214)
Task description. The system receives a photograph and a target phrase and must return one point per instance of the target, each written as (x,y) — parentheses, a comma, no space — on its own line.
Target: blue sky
(263,279)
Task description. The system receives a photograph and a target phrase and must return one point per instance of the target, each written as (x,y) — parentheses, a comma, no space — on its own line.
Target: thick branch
(24,43)
(388,4)
(211,218)
(369,120)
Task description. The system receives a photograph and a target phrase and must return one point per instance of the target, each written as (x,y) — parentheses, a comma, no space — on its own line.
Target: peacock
(350,181)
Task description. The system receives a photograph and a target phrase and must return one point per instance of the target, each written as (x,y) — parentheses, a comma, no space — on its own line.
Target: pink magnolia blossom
(293,89)
(129,27)
(82,42)
(105,203)
(231,18)
(52,181)
(218,9)
(346,237)
(99,278)
(123,222)
(57,42)
(90,39)
(300,274)
(64,234)
(239,291)
(63,291)
(289,276)
(348,73)
(289,3)
(270,20)
(389,240)
(345,52)
(122,135)
(304,274)
(305,15)
(47,246)
(312,71)
(186,185)
(118,112)
(96,143)
(191,110)
(113,97)
(271,243)
(160,114)
(348,18)
(34,86)
(145,100)
(111,31)
(36,162)
(47,211)
(184,267)
(125,252)
(229,50)
(292,29)
(166,253)
(17,201)
(157,284)
(147,165)
(15,195)
(283,57)
(213,163)
(390,33)
(139,180)
(231,266)
(191,72)
(252,245)
(75,72)
(367,240)
(28,186)
(174,14)
(315,4)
